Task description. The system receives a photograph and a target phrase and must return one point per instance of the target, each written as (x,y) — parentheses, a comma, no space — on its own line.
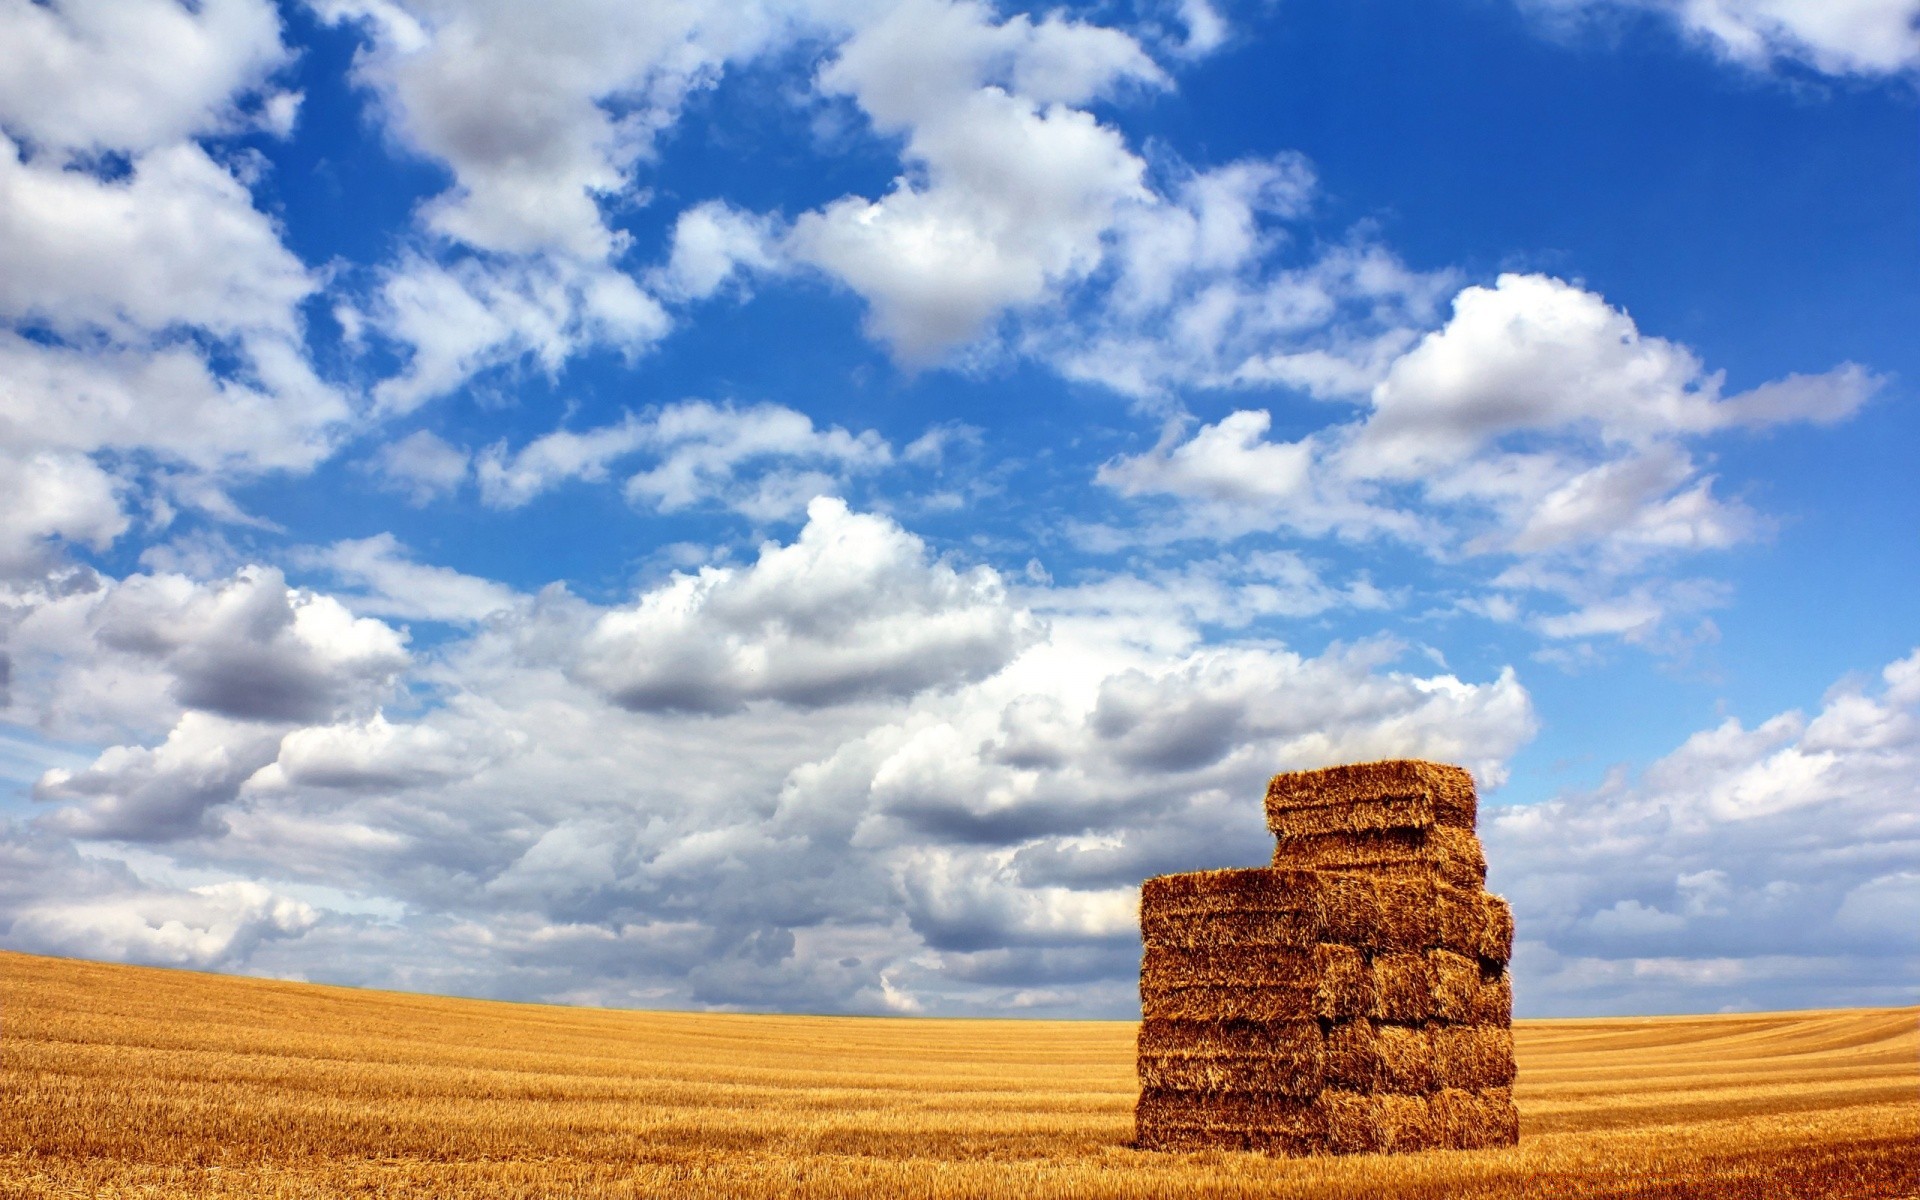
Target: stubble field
(124,1081)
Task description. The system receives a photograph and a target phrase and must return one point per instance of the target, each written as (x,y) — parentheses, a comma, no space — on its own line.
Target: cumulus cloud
(1752,866)
(458,318)
(393,584)
(148,308)
(1538,424)
(1010,189)
(852,607)
(763,460)
(422,465)
(214,925)
(1836,37)
(135,654)
(106,75)
(908,787)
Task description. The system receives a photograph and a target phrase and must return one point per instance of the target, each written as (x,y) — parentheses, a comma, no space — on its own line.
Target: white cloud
(1837,37)
(133,655)
(176,241)
(55,495)
(902,773)
(214,925)
(133,74)
(852,608)
(712,244)
(136,793)
(540,113)
(1010,190)
(459,318)
(392,584)
(763,460)
(147,307)
(1538,424)
(423,465)
(1746,851)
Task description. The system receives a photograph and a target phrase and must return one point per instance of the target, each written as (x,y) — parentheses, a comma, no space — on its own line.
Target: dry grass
(121,1081)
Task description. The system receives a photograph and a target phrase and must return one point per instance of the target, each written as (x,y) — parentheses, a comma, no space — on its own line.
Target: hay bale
(1352,997)
(1247,889)
(1399,794)
(1455,982)
(1462,1119)
(1349,1058)
(1286,1073)
(1405,1054)
(1377,1122)
(1472,1057)
(1226,1002)
(1234,984)
(1476,924)
(1227,927)
(1403,989)
(1397,913)
(1177,1120)
(1493,1001)
(1441,853)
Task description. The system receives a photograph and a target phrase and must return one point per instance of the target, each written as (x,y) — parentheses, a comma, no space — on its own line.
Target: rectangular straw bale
(1402,987)
(1346,982)
(1474,1120)
(1286,1074)
(1349,1056)
(1456,984)
(1406,1059)
(1248,889)
(1476,924)
(1441,853)
(1474,1057)
(1400,794)
(1227,1002)
(1283,1057)
(1164,966)
(1175,1120)
(1493,1002)
(1223,926)
(1361,1122)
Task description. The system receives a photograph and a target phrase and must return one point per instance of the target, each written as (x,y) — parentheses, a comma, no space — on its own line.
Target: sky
(801,505)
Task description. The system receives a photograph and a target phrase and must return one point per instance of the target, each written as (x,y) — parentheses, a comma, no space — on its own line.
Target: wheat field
(127,1081)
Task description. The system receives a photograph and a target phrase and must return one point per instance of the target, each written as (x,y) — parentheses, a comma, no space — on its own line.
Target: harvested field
(122,1081)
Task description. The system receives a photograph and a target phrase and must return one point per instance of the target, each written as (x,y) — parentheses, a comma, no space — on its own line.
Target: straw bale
(1474,1057)
(1287,1074)
(1165,967)
(1403,988)
(1224,926)
(1361,1122)
(1397,913)
(1493,1002)
(1227,1002)
(1349,1057)
(1461,1119)
(1441,854)
(1476,924)
(1456,984)
(1176,1120)
(1230,1037)
(1346,982)
(1405,1054)
(1401,794)
(1248,889)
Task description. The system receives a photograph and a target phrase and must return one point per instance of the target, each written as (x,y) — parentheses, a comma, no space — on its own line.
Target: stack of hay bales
(1352,997)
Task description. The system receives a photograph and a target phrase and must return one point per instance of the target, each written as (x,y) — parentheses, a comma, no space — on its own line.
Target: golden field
(127,1081)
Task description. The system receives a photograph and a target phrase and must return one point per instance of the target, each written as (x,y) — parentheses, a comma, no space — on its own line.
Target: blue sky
(803,505)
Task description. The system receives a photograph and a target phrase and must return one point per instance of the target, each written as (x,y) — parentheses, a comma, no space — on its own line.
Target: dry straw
(1351,998)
